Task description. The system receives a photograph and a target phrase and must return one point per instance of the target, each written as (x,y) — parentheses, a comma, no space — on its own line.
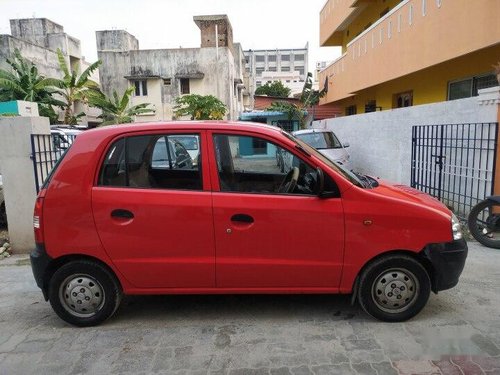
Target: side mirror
(320,186)
(346,144)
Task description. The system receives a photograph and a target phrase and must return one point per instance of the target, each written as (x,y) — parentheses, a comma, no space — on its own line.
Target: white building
(261,64)
(161,75)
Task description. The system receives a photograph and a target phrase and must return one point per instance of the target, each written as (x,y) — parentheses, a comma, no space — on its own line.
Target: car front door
(154,215)
(269,232)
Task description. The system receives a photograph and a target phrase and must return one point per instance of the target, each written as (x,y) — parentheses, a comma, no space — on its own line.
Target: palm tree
(115,110)
(75,88)
(24,82)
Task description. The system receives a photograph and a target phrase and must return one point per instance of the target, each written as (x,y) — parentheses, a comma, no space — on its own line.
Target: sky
(257,24)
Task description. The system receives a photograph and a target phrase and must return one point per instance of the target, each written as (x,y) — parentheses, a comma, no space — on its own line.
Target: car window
(255,165)
(151,161)
(320,140)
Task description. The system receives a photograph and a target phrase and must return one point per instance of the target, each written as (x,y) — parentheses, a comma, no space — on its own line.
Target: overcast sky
(257,24)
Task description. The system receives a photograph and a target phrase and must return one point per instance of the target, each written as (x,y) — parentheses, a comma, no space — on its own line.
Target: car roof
(184,125)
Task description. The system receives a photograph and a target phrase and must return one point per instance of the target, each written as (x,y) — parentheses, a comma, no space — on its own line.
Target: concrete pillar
(489,99)
(18,176)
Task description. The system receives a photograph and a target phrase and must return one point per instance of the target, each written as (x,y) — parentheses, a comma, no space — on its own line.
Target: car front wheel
(84,293)
(394,288)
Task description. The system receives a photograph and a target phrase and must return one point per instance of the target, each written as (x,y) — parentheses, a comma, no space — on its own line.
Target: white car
(326,142)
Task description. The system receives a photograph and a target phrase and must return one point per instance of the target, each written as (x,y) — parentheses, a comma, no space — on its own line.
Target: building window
(141,88)
(468,87)
(351,110)
(300,69)
(271,58)
(260,58)
(258,71)
(271,69)
(285,68)
(299,57)
(167,81)
(285,57)
(403,99)
(371,106)
(258,83)
(185,86)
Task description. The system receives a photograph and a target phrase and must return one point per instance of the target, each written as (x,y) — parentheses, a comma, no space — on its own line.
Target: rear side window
(153,161)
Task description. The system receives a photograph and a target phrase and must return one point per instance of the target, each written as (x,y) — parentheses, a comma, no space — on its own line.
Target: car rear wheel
(84,293)
(394,288)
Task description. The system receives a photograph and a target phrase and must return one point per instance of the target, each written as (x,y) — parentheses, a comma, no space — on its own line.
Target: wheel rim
(81,295)
(395,290)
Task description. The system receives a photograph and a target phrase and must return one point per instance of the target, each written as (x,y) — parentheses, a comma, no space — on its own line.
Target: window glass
(285,57)
(271,58)
(461,89)
(154,161)
(255,165)
(185,89)
(299,57)
(260,58)
(320,140)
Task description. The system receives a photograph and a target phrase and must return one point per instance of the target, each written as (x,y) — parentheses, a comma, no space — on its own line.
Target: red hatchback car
(128,210)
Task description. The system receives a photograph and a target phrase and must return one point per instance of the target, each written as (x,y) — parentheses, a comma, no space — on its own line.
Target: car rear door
(154,215)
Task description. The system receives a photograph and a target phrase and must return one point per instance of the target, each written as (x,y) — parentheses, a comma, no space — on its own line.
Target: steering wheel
(290,181)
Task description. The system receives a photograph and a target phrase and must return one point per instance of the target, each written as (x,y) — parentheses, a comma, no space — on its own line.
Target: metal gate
(455,163)
(46,150)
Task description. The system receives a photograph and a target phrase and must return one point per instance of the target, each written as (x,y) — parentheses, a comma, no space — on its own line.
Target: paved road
(457,333)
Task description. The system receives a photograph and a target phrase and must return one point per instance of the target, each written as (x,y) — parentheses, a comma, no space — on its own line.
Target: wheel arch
(420,257)
(57,263)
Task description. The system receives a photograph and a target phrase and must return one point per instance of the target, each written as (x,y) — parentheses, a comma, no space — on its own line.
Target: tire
(394,288)
(95,293)
(475,230)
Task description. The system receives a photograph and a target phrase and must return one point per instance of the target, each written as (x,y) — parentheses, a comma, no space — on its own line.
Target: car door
(266,236)
(154,216)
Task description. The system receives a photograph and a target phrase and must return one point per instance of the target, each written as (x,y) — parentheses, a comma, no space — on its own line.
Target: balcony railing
(414,35)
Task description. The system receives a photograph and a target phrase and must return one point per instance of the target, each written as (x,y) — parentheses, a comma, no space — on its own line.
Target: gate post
(18,177)
(489,100)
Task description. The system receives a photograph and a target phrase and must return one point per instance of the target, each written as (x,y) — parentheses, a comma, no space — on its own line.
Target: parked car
(326,142)
(3,213)
(233,223)
(190,143)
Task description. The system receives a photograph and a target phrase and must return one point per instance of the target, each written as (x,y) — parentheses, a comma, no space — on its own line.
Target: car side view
(142,217)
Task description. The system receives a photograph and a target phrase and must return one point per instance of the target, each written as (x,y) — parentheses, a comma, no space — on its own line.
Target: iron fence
(46,150)
(455,163)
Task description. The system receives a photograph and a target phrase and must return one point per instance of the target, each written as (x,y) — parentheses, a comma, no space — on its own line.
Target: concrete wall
(18,177)
(380,142)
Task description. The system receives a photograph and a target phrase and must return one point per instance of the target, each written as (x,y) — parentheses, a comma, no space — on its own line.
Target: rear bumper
(39,264)
(448,261)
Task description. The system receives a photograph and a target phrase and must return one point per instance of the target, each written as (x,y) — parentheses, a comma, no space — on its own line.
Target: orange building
(402,53)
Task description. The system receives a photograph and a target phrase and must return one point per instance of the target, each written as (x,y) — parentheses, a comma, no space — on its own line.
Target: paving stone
(485,344)
(385,368)
(364,368)
(343,369)
(416,367)
(487,363)
(466,365)
(301,370)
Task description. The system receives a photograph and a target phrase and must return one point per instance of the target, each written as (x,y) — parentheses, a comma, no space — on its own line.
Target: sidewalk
(458,332)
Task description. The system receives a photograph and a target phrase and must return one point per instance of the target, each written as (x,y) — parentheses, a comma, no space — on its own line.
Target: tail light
(38,218)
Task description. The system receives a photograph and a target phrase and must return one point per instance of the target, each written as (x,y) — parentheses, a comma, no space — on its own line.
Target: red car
(124,212)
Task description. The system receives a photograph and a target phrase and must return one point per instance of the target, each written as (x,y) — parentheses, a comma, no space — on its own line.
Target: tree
(116,110)
(25,83)
(74,88)
(274,89)
(310,97)
(199,107)
(293,111)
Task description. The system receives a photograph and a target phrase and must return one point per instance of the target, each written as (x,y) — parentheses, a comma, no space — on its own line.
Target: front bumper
(40,261)
(448,261)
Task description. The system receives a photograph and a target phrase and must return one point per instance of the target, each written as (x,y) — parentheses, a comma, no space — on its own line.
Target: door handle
(242,218)
(122,214)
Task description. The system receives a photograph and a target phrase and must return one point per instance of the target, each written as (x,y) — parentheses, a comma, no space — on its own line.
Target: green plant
(200,107)
(23,82)
(292,111)
(116,110)
(75,88)
(274,89)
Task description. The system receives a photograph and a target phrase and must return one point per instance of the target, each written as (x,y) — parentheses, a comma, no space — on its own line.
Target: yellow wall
(428,85)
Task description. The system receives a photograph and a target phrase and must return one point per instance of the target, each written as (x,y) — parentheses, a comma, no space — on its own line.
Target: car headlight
(456,228)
